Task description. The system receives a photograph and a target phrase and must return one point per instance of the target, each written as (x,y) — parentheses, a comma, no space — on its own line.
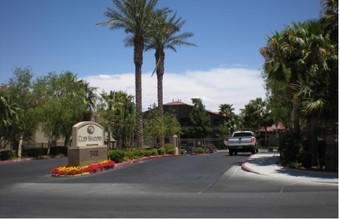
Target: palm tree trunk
(314,139)
(138,60)
(296,117)
(160,56)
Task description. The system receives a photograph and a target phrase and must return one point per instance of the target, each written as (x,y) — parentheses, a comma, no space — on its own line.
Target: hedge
(34,152)
(58,150)
(7,155)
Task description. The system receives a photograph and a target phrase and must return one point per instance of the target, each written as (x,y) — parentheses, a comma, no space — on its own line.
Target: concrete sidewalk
(266,164)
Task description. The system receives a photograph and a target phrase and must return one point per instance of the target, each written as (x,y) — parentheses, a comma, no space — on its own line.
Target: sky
(224,68)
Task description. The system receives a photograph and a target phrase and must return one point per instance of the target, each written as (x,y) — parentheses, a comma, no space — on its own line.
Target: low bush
(137,153)
(294,165)
(117,155)
(161,151)
(151,152)
(170,150)
(199,150)
(169,145)
(129,155)
(7,155)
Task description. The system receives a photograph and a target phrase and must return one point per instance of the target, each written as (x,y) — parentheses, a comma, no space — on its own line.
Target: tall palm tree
(226,110)
(166,35)
(285,56)
(329,18)
(89,99)
(119,117)
(300,55)
(134,17)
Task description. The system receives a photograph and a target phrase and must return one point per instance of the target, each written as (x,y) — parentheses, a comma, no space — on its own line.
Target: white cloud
(217,86)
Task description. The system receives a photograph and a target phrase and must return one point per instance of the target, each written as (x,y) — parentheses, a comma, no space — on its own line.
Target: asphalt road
(189,186)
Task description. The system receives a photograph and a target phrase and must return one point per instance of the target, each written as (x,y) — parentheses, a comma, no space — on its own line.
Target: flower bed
(82,170)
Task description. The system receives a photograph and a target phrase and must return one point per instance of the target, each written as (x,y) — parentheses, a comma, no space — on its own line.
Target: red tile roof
(179,102)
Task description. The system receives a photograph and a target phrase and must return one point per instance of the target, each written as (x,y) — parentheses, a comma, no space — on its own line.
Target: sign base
(86,156)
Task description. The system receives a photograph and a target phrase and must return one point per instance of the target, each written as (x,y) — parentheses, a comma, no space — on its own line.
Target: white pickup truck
(242,141)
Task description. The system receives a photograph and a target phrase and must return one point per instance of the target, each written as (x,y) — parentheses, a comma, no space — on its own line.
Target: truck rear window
(243,134)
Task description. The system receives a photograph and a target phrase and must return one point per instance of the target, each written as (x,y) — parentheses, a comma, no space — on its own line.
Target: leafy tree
(118,116)
(200,119)
(62,104)
(134,17)
(255,114)
(230,120)
(172,126)
(156,126)
(9,117)
(23,102)
(166,35)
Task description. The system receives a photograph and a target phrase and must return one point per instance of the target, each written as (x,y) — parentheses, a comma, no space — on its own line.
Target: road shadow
(274,160)
(308,173)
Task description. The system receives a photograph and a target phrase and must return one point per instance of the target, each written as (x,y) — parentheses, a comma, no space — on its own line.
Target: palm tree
(118,114)
(89,99)
(226,110)
(134,17)
(285,56)
(166,35)
(301,56)
(329,18)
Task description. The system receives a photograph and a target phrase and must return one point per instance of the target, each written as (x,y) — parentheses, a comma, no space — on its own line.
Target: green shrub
(146,152)
(294,165)
(7,155)
(306,159)
(199,150)
(170,150)
(161,151)
(152,152)
(129,155)
(169,145)
(117,155)
(137,153)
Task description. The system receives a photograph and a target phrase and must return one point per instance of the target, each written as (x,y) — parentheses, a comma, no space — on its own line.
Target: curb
(245,168)
(15,160)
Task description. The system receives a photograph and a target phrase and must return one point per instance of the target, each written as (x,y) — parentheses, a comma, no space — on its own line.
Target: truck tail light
(226,141)
(252,140)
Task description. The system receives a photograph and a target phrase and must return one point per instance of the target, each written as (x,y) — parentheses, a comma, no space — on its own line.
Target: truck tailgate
(239,141)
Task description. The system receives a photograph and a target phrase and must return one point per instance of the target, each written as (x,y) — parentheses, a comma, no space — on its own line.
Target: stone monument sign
(87,144)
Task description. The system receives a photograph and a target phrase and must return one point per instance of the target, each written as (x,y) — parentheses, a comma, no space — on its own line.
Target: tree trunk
(160,56)
(296,118)
(20,147)
(66,140)
(138,60)
(313,140)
